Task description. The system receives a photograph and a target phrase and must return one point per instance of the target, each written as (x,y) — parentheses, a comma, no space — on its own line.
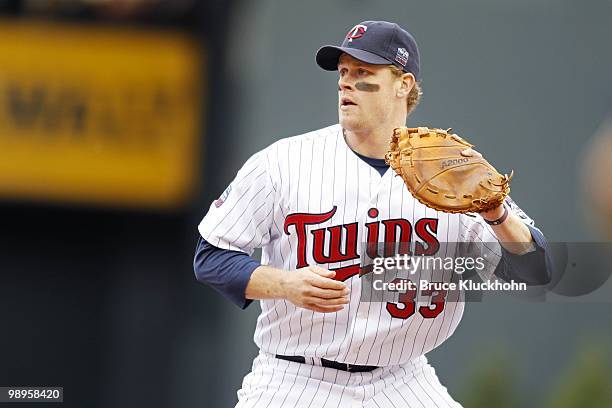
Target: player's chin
(349,122)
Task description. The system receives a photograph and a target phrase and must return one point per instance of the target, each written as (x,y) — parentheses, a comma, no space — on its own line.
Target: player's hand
(314,288)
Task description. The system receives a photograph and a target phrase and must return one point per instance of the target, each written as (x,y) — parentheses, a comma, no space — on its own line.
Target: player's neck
(371,143)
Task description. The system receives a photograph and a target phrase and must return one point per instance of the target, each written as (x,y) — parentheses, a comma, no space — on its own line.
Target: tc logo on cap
(356,32)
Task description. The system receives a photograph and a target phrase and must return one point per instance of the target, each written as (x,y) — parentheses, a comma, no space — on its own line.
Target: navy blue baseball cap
(374,42)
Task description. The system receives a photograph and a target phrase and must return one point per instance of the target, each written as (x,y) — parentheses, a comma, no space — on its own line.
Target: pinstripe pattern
(314,173)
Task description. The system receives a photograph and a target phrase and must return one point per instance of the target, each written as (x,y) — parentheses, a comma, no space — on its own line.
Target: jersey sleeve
(241,218)
(531,267)
(226,271)
(535,267)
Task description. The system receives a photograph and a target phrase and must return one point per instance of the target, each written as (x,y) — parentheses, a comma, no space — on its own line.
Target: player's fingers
(323,309)
(322,271)
(326,283)
(330,302)
(316,292)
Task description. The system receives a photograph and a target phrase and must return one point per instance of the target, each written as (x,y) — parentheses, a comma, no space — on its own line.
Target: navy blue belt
(353,368)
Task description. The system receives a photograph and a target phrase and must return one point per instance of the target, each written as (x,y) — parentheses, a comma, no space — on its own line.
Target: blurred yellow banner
(98,115)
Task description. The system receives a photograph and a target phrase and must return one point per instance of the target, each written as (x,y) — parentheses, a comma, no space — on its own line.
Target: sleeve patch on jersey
(219,201)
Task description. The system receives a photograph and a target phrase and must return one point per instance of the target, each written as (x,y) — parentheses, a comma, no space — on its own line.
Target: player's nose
(344,83)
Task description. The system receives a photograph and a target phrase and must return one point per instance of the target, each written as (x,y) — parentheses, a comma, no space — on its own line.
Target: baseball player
(309,202)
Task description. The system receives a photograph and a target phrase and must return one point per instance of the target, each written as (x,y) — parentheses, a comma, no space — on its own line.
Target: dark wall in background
(91,301)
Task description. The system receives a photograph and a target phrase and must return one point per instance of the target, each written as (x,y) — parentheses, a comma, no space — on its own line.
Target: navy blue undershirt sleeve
(226,271)
(532,268)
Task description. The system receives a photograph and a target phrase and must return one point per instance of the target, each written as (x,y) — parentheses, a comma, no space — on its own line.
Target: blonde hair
(414,96)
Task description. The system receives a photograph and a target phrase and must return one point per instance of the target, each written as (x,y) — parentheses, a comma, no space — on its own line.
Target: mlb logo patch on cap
(402,56)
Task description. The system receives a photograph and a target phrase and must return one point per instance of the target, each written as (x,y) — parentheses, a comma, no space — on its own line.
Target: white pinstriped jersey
(310,199)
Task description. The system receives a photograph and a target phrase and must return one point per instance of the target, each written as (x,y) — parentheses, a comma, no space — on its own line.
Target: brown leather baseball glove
(443,174)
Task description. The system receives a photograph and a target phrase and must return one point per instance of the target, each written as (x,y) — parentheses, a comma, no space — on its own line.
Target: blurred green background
(121,121)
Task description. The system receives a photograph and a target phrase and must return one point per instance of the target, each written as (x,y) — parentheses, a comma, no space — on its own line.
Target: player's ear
(406,83)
